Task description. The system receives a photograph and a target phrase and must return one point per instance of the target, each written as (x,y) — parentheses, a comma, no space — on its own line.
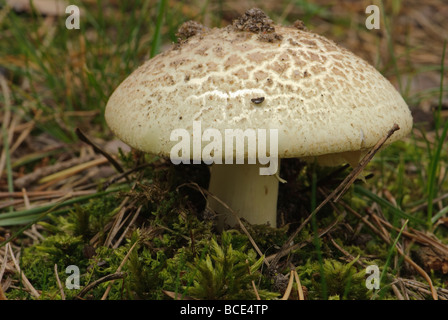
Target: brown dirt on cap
(299,24)
(189,29)
(256,21)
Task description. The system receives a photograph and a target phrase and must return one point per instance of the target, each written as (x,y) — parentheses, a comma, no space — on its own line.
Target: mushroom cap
(322,98)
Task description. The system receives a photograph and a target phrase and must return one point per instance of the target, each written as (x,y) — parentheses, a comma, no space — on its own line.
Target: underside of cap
(320,97)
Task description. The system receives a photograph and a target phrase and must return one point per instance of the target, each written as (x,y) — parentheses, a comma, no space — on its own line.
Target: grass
(390,255)
(7,114)
(59,80)
(440,142)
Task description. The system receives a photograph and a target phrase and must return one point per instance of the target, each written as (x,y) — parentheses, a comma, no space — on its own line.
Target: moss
(334,280)
(221,268)
(66,243)
(105,262)
(225,272)
(266,237)
(38,262)
(84,220)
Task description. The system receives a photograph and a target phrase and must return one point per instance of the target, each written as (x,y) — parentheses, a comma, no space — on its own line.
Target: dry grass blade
(25,132)
(118,219)
(253,282)
(289,287)
(299,286)
(386,237)
(397,292)
(2,295)
(115,226)
(6,138)
(25,280)
(42,194)
(440,248)
(177,296)
(106,293)
(73,170)
(424,288)
(131,223)
(37,174)
(293,276)
(383,234)
(2,271)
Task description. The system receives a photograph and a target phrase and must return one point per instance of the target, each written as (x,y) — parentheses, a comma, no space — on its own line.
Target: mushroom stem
(250,195)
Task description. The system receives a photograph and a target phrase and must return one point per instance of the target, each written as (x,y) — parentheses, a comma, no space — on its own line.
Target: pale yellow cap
(322,98)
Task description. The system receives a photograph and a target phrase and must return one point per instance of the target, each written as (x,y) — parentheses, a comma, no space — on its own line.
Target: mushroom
(324,103)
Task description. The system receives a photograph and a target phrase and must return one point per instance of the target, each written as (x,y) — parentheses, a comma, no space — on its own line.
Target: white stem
(252,196)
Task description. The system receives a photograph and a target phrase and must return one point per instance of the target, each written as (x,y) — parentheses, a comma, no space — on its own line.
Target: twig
(109,277)
(337,193)
(346,253)
(83,138)
(348,181)
(61,289)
